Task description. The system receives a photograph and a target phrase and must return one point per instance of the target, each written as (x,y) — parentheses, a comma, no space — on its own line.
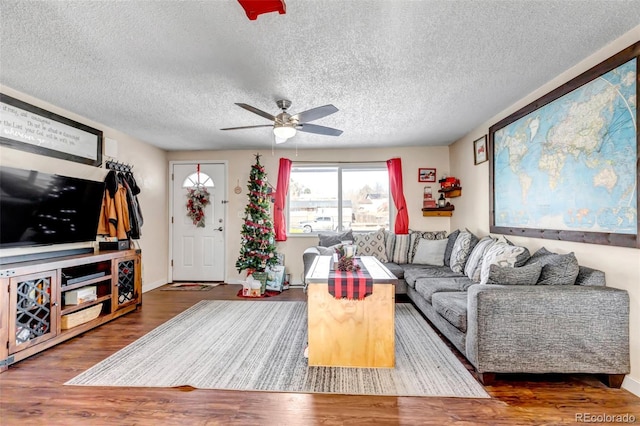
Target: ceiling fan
(285,125)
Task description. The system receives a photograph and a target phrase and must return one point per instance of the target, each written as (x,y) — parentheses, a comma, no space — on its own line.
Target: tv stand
(44,255)
(48,301)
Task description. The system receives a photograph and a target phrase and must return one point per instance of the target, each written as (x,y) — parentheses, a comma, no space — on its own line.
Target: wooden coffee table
(351,333)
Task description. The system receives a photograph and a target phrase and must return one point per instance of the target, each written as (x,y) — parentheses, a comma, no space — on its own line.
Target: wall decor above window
(28,128)
(565,167)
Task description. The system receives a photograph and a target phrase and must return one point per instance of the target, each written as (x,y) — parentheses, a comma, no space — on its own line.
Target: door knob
(220,228)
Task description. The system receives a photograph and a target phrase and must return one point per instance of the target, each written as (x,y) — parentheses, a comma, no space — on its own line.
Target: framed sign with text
(28,128)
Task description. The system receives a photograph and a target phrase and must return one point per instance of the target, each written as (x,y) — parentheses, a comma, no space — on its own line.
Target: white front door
(198,252)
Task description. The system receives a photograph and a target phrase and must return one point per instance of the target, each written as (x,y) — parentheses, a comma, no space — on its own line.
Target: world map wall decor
(565,167)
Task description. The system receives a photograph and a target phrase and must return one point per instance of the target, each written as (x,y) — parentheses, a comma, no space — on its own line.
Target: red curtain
(279,224)
(395,183)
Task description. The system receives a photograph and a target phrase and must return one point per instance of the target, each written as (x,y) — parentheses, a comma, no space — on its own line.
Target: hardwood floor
(32,391)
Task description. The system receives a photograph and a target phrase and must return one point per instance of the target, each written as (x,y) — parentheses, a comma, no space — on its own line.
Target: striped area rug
(259,345)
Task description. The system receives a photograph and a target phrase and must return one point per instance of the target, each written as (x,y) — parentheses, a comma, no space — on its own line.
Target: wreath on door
(197,200)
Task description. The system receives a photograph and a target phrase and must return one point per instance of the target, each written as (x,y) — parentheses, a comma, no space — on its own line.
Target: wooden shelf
(439,211)
(80,284)
(452,192)
(67,309)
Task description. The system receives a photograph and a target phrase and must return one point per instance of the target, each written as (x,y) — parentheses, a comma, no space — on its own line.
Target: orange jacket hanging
(114,215)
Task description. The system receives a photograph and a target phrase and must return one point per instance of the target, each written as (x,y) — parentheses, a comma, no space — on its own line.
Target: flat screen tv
(39,208)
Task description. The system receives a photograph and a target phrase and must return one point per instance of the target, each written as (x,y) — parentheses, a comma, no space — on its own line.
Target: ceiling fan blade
(247,127)
(320,130)
(314,113)
(257,111)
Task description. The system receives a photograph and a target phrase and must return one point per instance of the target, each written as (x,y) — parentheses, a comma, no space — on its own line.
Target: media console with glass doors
(45,302)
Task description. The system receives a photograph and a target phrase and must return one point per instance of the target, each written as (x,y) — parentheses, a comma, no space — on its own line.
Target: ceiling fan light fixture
(284,131)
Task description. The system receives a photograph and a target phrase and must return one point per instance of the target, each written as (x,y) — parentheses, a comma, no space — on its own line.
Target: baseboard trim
(632,385)
(150,286)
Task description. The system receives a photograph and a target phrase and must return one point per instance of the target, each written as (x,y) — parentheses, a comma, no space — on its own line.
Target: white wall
(150,170)
(240,165)
(621,265)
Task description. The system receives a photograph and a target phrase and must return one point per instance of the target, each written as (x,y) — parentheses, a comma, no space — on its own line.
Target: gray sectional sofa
(539,313)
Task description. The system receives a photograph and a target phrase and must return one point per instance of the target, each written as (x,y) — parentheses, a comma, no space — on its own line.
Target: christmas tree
(258,248)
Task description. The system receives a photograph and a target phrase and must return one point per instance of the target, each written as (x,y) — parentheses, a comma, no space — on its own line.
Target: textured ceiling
(401,73)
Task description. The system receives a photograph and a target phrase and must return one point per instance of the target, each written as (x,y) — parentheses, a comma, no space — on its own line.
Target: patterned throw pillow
(474,262)
(399,252)
(427,235)
(524,275)
(462,248)
(371,244)
(430,252)
(502,254)
(557,269)
(522,260)
(389,243)
(451,241)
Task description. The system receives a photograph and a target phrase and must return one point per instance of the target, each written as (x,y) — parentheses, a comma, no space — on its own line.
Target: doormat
(189,286)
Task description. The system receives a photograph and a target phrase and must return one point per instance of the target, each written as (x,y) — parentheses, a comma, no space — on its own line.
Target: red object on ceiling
(253,8)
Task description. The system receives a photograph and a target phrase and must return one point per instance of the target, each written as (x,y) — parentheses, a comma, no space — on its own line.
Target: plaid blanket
(353,285)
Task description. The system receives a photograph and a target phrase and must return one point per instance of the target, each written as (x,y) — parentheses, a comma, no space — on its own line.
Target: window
(198,179)
(338,197)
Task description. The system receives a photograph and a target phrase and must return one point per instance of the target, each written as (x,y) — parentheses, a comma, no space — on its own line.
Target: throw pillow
(502,254)
(400,252)
(371,244)
(389,243)
(451,241)
(430,252)
(523,258)
(474,262)
(465,242)
(427,235)
(524,275)
(557,269)
(327,251)
(328,240)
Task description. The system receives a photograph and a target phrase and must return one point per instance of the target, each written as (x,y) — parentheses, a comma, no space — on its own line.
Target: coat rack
(118,166)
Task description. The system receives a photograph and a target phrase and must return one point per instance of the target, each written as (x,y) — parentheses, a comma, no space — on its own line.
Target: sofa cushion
(427,287)
(371,244)
(452,306)
(502,254)
(333,238)
(524,275)
(451,240)
(462,248)
(412,272)
(427,235)
(557,269)
(474,263)
(430,252)
(395,269)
